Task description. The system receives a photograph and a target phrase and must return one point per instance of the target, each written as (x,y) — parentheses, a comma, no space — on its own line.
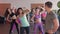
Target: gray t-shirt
(49,20)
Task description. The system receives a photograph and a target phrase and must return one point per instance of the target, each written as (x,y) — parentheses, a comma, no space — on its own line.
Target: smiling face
(37,11)
(20,11)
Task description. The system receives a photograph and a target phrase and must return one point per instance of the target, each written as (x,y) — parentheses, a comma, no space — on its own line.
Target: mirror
(58,4)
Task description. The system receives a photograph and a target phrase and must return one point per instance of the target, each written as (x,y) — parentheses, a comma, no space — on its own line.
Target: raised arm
(32,18)
(26,11)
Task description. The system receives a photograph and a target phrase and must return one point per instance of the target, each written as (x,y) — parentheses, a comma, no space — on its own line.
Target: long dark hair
(6,12)
(18,10)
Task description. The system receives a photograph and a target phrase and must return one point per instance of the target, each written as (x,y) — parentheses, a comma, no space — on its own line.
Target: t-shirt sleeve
(54,16)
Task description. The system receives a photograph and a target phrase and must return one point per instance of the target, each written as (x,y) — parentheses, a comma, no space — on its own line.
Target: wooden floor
(4,29)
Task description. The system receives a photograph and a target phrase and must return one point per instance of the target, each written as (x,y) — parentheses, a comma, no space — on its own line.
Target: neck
(49,10)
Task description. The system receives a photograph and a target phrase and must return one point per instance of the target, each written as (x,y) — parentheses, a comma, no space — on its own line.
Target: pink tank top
(44,14)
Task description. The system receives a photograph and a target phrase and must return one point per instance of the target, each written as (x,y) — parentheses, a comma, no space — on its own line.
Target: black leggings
(12,23)
(22,29)
(46,33)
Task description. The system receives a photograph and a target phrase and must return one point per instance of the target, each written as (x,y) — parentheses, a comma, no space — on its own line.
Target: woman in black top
(7,12)
(13,21)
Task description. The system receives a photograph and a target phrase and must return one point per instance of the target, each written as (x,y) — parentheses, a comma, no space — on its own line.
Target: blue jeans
(22,29)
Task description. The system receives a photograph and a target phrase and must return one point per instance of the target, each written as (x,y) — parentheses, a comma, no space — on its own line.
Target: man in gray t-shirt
(51,21)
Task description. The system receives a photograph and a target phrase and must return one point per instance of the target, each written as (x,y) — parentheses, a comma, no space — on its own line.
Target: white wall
(54,4)
(27,3)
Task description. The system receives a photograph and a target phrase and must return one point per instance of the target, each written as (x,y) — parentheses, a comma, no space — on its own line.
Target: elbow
(57,25)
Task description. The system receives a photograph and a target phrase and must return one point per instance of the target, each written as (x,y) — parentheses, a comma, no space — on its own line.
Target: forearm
(32,18)
(56,25)
(27,11)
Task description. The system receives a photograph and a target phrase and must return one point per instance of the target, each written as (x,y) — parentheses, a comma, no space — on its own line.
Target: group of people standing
(38,16)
